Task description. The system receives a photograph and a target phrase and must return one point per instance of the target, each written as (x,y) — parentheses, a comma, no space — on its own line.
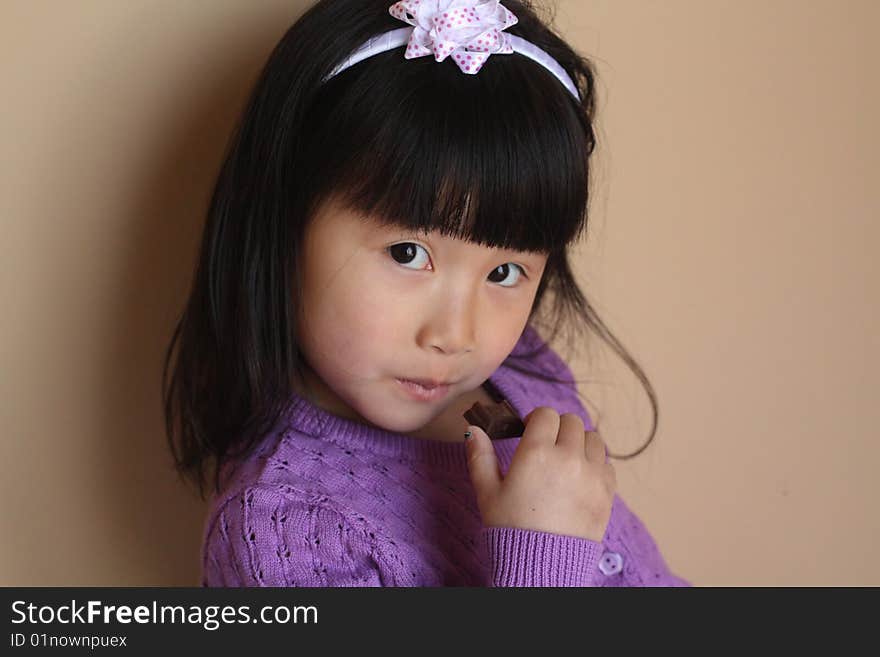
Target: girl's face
(382,304)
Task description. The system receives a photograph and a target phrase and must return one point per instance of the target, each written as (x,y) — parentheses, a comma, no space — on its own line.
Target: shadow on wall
(153,520)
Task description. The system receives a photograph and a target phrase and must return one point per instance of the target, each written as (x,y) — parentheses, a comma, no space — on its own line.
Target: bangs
(499,158)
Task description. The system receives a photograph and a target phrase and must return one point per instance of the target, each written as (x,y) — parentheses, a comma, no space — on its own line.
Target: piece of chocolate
(497,420)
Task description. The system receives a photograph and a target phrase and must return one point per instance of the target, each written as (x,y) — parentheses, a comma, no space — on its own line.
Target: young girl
(392,212)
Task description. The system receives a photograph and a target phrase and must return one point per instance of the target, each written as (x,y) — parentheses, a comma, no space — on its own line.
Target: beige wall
(735,254)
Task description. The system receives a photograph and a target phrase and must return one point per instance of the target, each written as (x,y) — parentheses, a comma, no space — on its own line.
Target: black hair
(501,158)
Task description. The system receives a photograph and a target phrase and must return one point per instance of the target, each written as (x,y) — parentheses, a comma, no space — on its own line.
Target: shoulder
(270,507)
(275,535)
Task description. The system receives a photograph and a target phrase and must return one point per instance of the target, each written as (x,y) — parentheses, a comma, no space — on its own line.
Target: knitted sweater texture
(326,501)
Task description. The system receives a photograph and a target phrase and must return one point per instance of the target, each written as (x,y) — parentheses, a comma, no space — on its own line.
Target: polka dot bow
(468,30)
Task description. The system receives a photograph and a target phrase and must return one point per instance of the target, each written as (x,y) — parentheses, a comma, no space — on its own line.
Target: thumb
(482,462)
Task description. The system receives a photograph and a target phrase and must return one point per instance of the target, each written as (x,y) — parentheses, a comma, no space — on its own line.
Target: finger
(482,463)
(571,432)
(595,447)
(542,427)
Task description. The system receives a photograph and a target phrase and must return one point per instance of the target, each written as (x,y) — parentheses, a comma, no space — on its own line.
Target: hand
(557,482)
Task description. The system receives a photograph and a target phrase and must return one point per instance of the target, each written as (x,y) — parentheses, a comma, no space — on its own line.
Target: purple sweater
(326,501)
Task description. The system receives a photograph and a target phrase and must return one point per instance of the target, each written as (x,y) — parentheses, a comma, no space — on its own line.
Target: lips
(428,383)
(422,391)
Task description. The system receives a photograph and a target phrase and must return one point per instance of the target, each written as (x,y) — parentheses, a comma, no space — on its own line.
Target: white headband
(469,31)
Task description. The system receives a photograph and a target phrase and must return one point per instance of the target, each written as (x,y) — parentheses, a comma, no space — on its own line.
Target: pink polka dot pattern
(469,32)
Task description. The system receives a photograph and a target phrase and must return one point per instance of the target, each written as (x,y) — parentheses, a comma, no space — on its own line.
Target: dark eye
(501,273)
(406,252)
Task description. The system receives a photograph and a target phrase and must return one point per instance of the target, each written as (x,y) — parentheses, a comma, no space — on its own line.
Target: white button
(611,563)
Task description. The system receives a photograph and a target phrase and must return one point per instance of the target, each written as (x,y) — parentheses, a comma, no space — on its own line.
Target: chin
(404,426)
(400,424)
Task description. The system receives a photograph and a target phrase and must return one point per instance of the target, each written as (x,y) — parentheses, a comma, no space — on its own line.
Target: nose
(449,323)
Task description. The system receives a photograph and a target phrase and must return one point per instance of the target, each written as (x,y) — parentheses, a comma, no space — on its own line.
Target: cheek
(500,331)
(370,305)
(350,320)
(338,345)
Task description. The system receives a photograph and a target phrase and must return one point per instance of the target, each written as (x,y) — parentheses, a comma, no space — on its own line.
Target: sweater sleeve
(262,537)
(627,556)
(524,557)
